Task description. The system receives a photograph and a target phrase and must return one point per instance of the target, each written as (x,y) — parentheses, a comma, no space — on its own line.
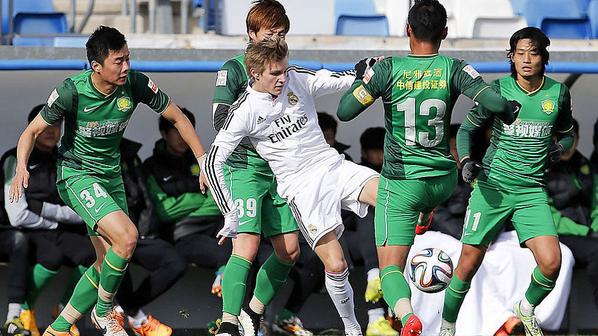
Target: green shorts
(261,209)
(399,203)
(90,196)
(489,208)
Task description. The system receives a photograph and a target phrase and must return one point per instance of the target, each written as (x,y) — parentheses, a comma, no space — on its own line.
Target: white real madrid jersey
(284,130)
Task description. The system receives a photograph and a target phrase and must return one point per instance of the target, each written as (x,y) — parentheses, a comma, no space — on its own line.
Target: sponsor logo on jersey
(528,129)
(124,104)
(101,128)
(152,86)
(363,96)
(52,98)
(548,106)
(473,73)
(368,75)
(221,78)
(293,99)
(286,126)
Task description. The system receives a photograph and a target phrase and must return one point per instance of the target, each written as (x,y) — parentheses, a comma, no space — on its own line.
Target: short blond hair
(260,54)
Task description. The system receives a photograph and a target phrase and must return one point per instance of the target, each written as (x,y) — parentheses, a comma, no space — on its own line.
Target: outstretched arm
(372,79)
(20,180)
(230,135)
(187,132)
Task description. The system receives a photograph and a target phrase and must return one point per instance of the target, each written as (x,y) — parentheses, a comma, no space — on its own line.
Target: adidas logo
(260,120)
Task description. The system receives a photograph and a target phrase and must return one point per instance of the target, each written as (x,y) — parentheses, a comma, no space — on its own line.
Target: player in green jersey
(418,173)
(96,106)
(510,184)
(253,187)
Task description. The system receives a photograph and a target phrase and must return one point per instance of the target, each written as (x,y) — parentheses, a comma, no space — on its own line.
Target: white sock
(139,319)
(403,307)
(230,318)
(14,310)
(257,306)
(375,314)
(526,308)
(447,325)
(341,293)
(373,274)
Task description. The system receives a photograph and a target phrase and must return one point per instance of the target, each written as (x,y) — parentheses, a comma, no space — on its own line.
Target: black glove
(555,150)
(363,66)
(516,107)
(470,170)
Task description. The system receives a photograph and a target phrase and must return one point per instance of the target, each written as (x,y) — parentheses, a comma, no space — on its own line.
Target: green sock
(233,284)
(40,276)
(84,297)
(394,286)
(271,276)
(113,270)
(539,287)
(453,298)
(76,275)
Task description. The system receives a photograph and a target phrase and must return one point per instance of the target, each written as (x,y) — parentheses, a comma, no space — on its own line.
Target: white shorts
(317,207)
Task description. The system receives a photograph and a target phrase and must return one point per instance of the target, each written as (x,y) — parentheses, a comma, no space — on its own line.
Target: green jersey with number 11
(419,93)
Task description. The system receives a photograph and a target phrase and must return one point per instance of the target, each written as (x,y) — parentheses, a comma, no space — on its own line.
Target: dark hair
(326,121)
(372,138)
(427,19)
(34,112)
(164,125)
(540,41)
(267,14)
(454,130)
(101,41)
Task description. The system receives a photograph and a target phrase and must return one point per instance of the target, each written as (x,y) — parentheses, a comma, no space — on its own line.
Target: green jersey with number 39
(418,93)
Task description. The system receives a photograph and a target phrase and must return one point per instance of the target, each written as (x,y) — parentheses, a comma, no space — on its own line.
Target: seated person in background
(56,232)
(14,249)
(159,257)
(193,217)
(329,126)
(569,184)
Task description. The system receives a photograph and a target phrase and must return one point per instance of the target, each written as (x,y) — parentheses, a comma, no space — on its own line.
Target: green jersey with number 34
(94,123)
(418,93)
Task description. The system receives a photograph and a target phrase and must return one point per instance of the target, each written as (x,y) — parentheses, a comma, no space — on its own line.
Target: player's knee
(336,265)
(468,265)
(289,255)
(125,244)
(550,265)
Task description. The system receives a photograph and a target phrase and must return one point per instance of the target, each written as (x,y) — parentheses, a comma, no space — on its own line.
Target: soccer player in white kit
(278,114)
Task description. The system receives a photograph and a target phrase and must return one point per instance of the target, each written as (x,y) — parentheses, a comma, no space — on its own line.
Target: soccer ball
(431,270)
